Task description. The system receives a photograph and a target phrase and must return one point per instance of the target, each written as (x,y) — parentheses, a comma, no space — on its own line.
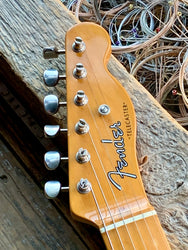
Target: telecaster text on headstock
(120,149)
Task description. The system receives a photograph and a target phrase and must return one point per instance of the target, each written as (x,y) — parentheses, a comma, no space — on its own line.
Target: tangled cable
(150,38)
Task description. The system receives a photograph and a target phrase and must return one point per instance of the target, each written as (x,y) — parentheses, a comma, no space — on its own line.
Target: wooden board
(28,219)
(27,27)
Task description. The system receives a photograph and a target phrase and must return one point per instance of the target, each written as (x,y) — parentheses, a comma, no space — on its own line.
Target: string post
(78,45)
(80,99)
(82,127)
(79,71)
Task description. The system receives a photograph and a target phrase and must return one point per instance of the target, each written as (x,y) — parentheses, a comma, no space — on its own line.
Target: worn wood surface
(28,26)
(28,219)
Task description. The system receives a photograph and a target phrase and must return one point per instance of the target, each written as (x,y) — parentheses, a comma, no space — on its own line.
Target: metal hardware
(82,156)
(51,77)
(52,52)
(52,159)
(104,109)
(51,131)
(51,104)
(80,99)
(81,127)
(78,45)
(79,72)
(84,186)
(53,188)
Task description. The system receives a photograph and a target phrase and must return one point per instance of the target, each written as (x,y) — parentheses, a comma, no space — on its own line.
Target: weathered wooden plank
(26,27)
(23,133)
(28,219)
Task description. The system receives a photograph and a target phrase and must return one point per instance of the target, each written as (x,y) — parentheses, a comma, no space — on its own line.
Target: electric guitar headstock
(105,186)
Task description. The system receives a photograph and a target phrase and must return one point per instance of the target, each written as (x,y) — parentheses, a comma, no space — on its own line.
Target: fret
(145,233)
(127,221)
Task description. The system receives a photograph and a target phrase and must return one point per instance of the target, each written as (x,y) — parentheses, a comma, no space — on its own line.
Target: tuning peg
(78,45)
(51,77)
(79,71)
(51,131)
(53,188)
(52,159)
(80,99)
(51,104)
(52,52)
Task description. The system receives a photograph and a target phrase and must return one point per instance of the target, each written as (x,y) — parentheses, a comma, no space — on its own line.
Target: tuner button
(51,77)
(79,72)
(51,104)
(80,99)
(81,127)
(51,131)
(52,160)
(52,52)
(52,189)
(78,45)
(82,156)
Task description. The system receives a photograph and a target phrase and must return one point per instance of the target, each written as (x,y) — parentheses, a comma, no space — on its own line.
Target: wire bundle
(150,38)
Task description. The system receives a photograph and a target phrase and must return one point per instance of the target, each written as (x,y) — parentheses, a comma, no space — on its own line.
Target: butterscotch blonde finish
(117,203)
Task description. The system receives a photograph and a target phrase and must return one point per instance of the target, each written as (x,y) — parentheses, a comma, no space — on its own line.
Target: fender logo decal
(120,149)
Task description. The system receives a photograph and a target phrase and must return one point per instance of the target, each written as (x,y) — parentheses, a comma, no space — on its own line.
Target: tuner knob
(51,77)
(53,188)
(52,159)
(51,104)
(52,52)
(51,131)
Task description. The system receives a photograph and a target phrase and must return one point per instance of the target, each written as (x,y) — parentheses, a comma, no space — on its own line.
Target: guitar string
(123,218)
(106,204)
(91,89)
(101,217)
(108,179)
(110,183)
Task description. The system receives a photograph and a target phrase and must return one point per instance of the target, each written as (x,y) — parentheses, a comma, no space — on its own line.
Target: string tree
(51,77)
(53,188)
(52,52)
(51,104)
(51,131)
(52,159)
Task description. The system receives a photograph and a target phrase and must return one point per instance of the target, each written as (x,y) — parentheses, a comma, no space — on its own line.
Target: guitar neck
(139,232)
